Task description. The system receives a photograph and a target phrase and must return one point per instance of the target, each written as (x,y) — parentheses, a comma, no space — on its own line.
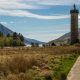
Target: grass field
(45,63)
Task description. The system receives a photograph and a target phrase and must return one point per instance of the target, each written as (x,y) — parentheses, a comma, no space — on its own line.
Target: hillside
(29,41)
(6,31)
(63,39)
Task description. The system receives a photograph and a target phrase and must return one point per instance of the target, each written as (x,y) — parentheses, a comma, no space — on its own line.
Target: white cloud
(4,22)
(21,13)
(14,8)
(56,2)
(11,22)
(79,16)
(17,4)
(33,4)
(59,2)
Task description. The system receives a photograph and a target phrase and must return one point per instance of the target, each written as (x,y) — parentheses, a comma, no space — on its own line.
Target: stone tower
(74,25)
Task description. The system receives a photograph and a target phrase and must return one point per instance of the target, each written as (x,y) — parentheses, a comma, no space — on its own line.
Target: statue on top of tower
(74,6)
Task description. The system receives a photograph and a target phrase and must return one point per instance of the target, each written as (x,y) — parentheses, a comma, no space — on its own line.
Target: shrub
(3,70)
(20,64)
(20,76)
(23,76)
(17,64)
(12,77)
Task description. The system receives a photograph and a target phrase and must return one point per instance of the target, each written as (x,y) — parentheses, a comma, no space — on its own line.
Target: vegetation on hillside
(11,40)
(46,63)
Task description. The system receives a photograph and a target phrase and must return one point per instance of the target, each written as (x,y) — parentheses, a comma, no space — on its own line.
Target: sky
(43,20)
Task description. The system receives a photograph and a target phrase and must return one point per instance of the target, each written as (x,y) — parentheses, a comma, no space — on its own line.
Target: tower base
(75,42)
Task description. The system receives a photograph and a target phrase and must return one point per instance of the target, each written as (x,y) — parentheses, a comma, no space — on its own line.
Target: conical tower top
(74,10)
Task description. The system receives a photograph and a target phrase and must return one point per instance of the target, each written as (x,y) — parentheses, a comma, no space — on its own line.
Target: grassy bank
(65,65)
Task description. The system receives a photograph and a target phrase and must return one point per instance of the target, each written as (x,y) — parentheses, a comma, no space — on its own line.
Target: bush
(23,76)
(20,76)
(12,77)
(20,64)
(3,70)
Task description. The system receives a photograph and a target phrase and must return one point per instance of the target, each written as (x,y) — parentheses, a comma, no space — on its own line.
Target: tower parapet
(74,10)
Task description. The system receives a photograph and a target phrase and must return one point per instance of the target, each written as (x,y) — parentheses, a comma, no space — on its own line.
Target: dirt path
(75,71)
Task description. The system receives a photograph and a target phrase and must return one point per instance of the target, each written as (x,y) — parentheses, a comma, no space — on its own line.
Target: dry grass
(32,63)
(43,50)
(20,76)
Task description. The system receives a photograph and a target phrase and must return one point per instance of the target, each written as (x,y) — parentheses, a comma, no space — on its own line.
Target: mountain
(30,41)
(65,39)
(6,31)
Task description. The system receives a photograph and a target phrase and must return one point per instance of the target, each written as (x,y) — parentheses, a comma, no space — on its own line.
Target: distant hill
(63,39)
(6,31)
(29,41)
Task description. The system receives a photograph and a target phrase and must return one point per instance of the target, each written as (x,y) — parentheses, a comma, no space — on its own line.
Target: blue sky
(43,20)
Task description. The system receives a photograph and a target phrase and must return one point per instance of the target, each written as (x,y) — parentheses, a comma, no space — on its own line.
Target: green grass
(67,64)
(64,67)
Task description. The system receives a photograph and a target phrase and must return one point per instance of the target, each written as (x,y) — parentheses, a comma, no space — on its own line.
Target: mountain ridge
(64,39)
(6,31)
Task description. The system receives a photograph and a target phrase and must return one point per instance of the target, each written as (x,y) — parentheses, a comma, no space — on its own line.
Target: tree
(53,44)
(32,44)
(14,43)
(8,35)
(18,39)
(1,43)
(43,45)
(15,36)
(21,37)
(36,45)
(1,34)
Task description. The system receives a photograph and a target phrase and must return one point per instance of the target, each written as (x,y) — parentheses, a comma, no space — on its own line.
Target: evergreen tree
(32,44)
(14,43)
(8,35)
(14,40)
(15,36)
(21,37)
(1,34)
(36,45)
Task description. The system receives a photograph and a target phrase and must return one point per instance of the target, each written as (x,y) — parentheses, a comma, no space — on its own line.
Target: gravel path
(75,71)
